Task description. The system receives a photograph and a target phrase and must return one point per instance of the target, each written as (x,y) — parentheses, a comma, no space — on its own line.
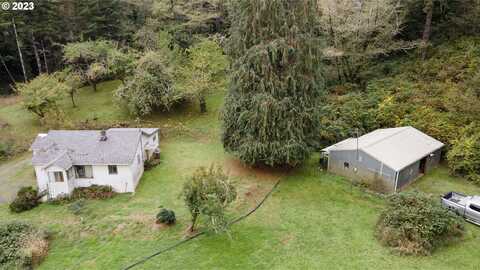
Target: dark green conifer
(270,114)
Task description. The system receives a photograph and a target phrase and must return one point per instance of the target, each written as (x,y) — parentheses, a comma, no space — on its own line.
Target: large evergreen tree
(270,114)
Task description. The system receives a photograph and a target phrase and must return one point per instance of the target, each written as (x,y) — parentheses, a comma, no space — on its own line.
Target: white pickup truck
(465,206)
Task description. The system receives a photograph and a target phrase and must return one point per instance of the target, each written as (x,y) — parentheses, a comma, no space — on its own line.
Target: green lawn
(314,220)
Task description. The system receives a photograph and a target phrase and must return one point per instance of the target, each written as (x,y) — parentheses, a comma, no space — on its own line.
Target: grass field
(314,220)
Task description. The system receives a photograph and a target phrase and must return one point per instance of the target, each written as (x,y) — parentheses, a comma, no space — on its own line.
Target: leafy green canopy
(201,74)
(464,157)
(150,87)
(42,94)
(208,192)
(270,114)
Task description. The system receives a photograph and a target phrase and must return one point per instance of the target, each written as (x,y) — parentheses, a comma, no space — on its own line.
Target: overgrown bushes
(414,224)
(464,157)
(27,198)
(94,192)
(436,95)
(21,245)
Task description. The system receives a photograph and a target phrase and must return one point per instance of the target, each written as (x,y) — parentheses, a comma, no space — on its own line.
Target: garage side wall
(433,161)
(408,174)
(337,160)
(369,169)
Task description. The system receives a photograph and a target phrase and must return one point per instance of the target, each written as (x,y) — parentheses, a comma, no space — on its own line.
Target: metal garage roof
(395,147)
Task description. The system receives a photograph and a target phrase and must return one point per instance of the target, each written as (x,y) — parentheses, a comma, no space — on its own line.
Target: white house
(64,160)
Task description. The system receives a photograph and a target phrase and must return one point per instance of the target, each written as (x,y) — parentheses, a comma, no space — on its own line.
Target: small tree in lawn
(208,192)
(42,94)
(73,80)
(94,74)
(206,62)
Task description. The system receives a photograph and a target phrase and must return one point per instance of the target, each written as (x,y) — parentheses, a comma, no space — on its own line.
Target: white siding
(42,178)
(121,182)
(56,189)
(149,144)
(125,180)
(137,168)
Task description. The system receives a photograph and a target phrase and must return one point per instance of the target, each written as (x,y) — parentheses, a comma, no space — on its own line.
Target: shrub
(27,198)
(6,149)
(151,163)
(464,157)
(93,192)
(21,245)
(166,216)
(413,224)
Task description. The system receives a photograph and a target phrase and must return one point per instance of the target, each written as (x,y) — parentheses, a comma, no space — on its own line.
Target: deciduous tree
(150,87)
(359,31)
(42,94)
(206,62)
(209,192)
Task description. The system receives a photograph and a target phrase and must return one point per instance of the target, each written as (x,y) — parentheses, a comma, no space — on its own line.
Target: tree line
(302,73)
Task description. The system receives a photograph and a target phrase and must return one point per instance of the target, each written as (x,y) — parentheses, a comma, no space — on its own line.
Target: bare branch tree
(360,30)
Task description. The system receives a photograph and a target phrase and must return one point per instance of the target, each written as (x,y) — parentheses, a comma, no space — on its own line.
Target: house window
(475,208)
(83,172)
(112,169)
(346,165)
(58,176)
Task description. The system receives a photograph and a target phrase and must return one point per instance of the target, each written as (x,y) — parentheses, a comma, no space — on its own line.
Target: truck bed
(457,198)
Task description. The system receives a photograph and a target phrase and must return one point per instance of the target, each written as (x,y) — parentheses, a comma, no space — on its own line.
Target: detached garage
(395,156)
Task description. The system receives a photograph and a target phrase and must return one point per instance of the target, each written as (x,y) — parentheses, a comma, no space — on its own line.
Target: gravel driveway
(15,174)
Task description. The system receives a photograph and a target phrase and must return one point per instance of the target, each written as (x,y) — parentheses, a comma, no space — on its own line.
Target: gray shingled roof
(64,148)
(147,131)
(395,147)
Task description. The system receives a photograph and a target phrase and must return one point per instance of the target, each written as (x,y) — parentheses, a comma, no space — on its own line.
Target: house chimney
(103,135)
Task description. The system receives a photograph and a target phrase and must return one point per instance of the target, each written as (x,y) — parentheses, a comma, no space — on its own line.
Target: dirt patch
(141,218)
(188,232)
(287,239)
(161,226)
(120,227)
(238,169)
(10,100)
(249,197)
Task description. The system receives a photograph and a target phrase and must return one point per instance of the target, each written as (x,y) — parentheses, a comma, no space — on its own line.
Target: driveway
(15,174)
